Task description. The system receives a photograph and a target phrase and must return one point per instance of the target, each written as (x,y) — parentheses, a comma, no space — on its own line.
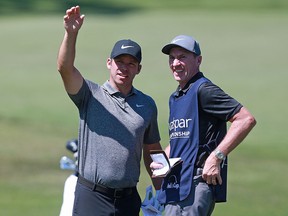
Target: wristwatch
(220,155)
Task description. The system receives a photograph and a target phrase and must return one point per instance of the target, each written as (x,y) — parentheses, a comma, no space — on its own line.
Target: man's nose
(176,61)
(123,67)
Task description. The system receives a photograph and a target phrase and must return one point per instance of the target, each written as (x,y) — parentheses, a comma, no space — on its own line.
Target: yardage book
(159,156)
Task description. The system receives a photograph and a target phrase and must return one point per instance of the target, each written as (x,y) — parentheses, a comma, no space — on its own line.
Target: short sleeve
(215,101)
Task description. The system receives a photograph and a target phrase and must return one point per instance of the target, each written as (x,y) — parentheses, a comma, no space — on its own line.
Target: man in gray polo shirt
(117,122)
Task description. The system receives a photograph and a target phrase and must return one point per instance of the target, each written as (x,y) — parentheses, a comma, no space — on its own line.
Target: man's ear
(139,68)
(199,60)
(109,63)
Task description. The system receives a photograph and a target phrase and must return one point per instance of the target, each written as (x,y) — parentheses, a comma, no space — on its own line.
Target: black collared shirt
(215,109)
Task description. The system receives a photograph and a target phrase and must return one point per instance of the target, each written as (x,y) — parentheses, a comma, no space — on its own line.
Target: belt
(115,193)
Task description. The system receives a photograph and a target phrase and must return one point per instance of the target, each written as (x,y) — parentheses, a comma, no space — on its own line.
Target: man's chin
(177,78)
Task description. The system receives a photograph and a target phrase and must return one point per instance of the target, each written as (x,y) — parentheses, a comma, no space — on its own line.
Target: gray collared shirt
(112,131)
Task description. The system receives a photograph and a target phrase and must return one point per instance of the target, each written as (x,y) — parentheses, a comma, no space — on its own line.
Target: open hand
(73,20)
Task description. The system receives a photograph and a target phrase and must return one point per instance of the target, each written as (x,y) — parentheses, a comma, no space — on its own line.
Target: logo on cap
(174,41)
(125,47)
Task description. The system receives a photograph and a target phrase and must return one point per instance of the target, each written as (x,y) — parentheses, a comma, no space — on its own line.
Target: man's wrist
(219,154)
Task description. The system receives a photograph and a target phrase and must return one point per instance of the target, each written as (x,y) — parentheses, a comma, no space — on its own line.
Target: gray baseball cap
(184,41)
(128,47)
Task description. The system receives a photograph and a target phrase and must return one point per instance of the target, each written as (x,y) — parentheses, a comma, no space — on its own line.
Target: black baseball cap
(128,47)
(184,41)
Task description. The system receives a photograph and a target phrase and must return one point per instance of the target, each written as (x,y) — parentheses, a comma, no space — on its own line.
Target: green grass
(244,52)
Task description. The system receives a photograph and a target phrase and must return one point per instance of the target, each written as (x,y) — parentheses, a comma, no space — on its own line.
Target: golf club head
(67,163)
(72,145)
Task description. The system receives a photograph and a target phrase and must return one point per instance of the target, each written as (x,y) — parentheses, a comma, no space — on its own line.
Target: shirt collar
(179,92)
(112,91)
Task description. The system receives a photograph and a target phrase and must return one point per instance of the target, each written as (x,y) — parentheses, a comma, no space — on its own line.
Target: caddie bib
(184,143)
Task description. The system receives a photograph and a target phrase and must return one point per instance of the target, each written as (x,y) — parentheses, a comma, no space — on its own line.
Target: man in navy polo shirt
(199,111)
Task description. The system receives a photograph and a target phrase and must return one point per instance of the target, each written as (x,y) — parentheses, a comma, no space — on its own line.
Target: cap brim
(166,49)
(126,53)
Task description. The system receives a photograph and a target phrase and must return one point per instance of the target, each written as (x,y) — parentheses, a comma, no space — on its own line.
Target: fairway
(244,52)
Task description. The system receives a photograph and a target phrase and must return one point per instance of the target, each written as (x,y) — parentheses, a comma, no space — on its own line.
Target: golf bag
(67,163)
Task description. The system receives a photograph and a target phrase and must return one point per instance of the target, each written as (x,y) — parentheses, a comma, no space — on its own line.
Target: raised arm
(71,77)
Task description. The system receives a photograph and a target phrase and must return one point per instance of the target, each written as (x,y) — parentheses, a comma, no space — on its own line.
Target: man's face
(183,64)
(123,69)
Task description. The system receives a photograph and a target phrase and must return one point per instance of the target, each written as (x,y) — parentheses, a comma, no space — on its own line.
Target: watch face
(219,155)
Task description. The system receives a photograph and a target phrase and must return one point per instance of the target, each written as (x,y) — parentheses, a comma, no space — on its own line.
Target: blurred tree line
(59,6)
(116,7)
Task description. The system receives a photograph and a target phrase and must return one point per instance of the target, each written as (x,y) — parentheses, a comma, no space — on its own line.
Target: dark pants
(94,203)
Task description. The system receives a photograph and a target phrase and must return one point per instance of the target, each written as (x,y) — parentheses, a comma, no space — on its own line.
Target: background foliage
(244,46)
(126,6)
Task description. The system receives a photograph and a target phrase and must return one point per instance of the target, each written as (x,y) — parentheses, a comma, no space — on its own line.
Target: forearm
(67,52)
(242,124)
(147,161)
(71,77)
